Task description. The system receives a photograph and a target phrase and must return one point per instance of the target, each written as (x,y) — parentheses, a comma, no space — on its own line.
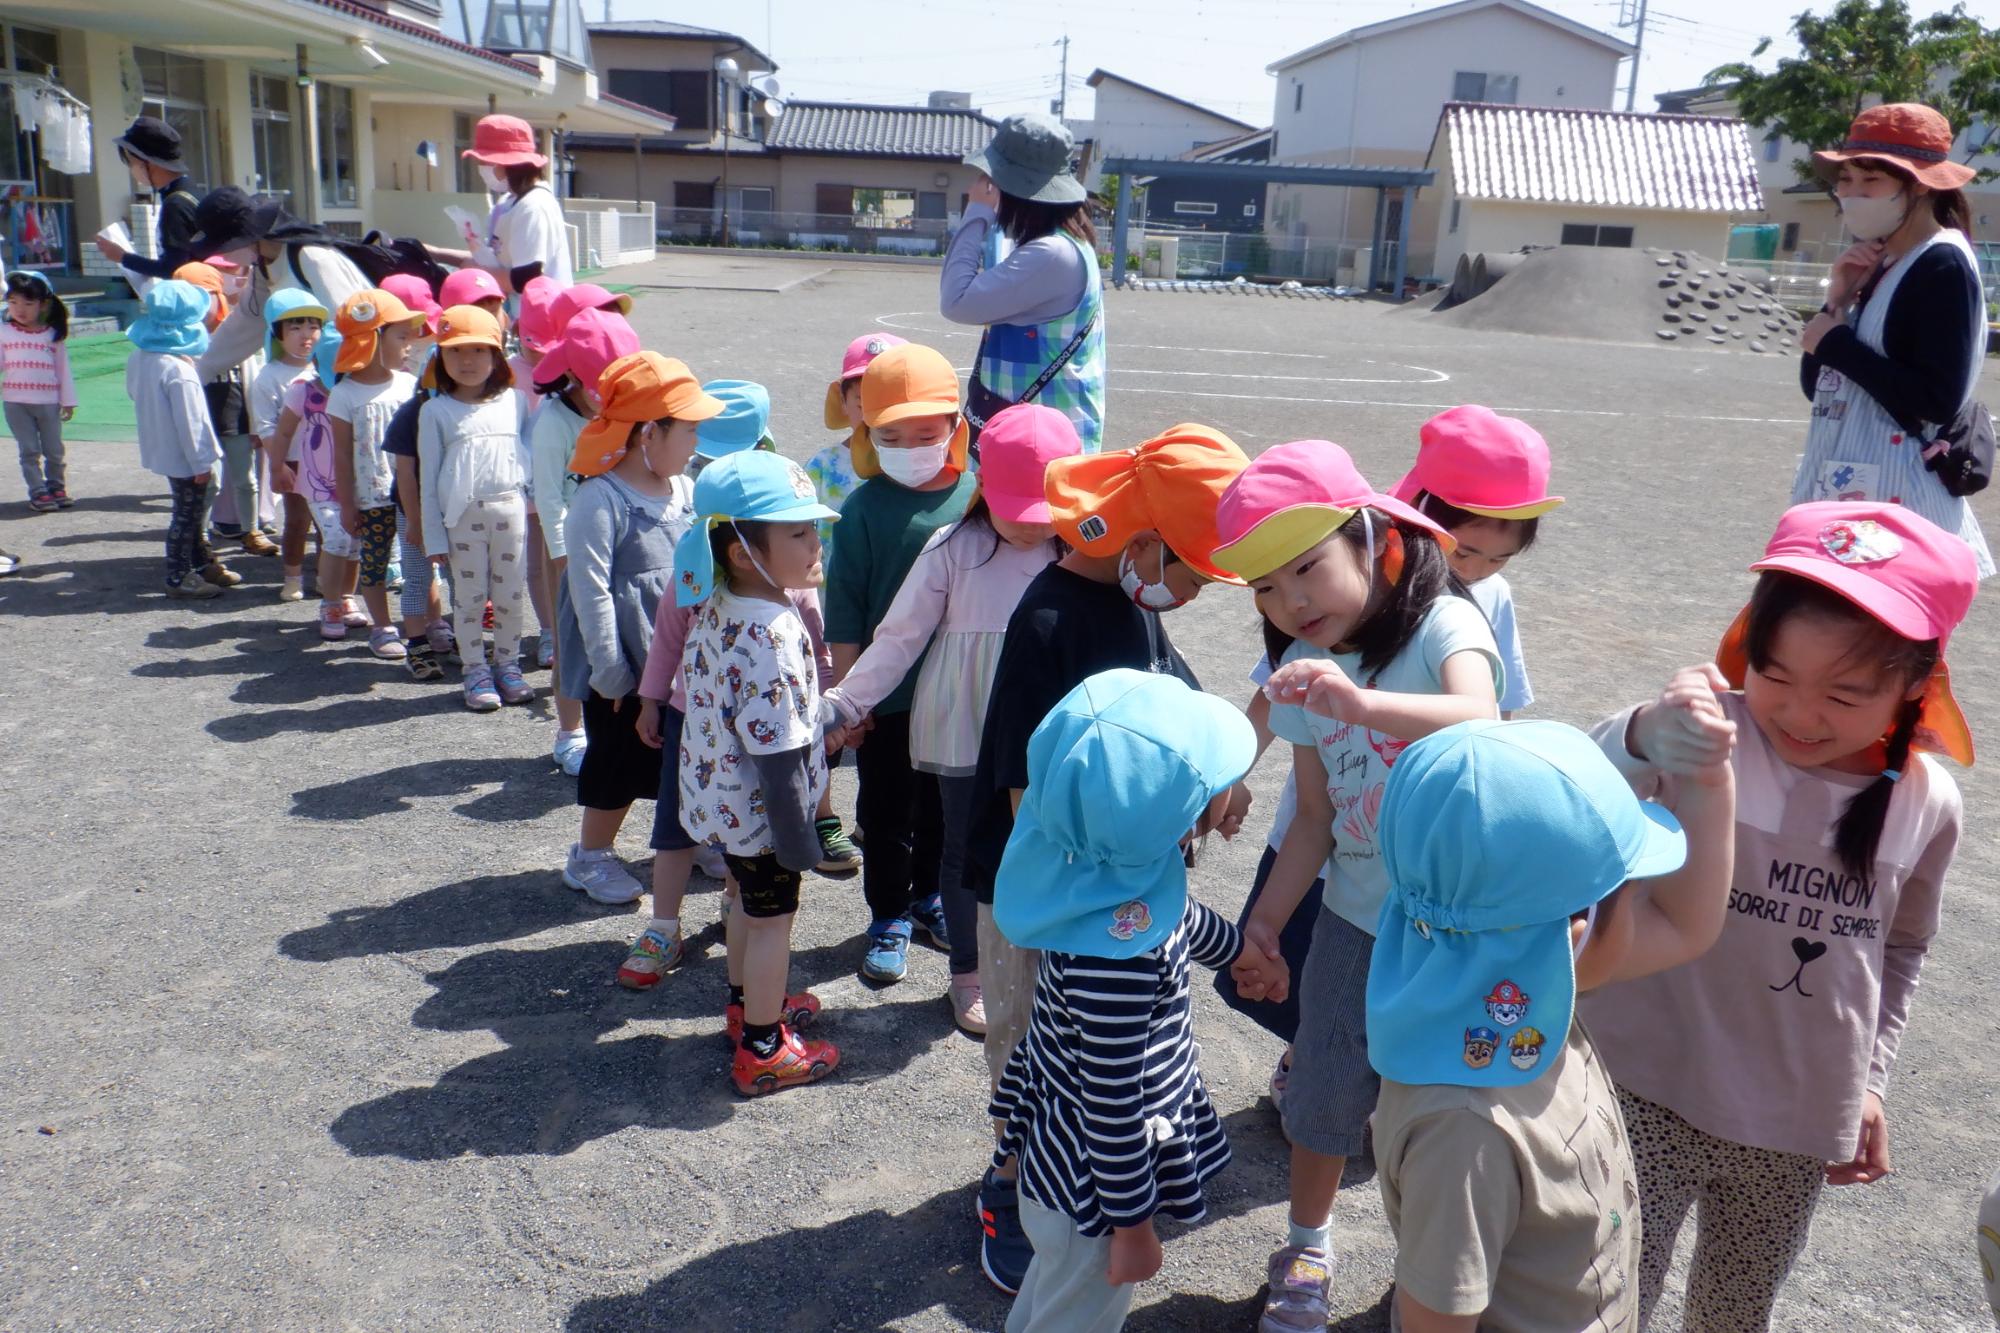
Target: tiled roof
(1563,155)
(844,128)
(417,30)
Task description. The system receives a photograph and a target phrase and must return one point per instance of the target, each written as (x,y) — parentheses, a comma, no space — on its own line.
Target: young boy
(376,330)
(1501,1153)
(296,318)
(1140,524)
(752,765)
(176,438)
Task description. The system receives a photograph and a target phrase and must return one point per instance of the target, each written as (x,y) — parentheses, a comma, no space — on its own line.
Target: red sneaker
(486,620)
(799,1012)
(795,1062)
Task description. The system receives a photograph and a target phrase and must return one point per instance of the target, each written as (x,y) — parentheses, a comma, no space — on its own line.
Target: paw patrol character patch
(1479,1044)
(1863,543)
(1524,1050)
(802,485)
(1129,919)
(1507,1005)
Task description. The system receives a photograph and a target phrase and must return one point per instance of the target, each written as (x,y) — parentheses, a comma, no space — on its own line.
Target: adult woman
(258,234)
(1895,353)
(1043,304)
(526,228)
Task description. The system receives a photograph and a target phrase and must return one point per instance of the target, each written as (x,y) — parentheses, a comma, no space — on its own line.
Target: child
(175,437)
(567,376)
(952,612)
(1757,1074)
(832,468)
(229,412)
(469,450)
(1484,478)
(538,333)
(1505,1171)
(428,639)
(752,763)
(38,395)
(916,481)
(375,330)
(1354,589)
(745,423)
(303,421)
(295,318)
(1150,508)
(473,286)
(1103,1101)
(620,533)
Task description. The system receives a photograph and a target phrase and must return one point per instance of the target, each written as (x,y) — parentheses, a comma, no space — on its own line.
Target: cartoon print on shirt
(1479,1044)
(1805,951)
(1507,1005)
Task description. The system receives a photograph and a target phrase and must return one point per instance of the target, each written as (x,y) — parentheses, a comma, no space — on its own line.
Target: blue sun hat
(326,352)
(1118,773)
(751,486)
(1472,982)
(745,422)
(172,323)
(292,303)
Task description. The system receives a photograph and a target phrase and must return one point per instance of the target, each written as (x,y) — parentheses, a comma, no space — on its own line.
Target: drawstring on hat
(751,551)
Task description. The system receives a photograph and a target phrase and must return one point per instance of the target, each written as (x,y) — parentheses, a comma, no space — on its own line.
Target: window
(271,136)
(1197,207)
(686,94)
(1790,240)
(834,200)
(176,92)
(1249,210)
(753,199)
(694,195)
(1772,145)
(931,205)
(1615,238)
(1454,213)
(339,185)
(1471,86)
(1298,95)
(884,208)
(34,52)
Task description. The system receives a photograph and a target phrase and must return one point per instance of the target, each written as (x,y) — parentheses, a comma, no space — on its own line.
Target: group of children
(1517,959)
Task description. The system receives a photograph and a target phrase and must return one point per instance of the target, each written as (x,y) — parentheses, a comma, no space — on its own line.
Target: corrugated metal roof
(1614,159)
(946,134)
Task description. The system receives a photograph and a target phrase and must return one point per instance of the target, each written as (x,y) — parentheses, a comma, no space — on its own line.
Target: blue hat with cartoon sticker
(1471,982)
(744,423)
(744,487)
(292,303)
(1118,773)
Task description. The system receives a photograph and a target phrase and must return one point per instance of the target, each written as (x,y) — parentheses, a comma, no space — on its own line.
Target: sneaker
(9,562)
(61,497)
(708,860)
(193,588)
(386,642)
(597,872)
(888,943)
(799,1012)
(423,662)
(481,697)
(968,1004)
(332,621)
(545,653)
(927,914)
(1004,1251)
(227,532)
(837,853)
(514,687)
(795,1062)
(256,543)
(568,752)
(653,956)
(294,589)
(442,639)
(1281,1078)
(352,615)
(1301,1287)
(392,578)
(221,575)
(43,503)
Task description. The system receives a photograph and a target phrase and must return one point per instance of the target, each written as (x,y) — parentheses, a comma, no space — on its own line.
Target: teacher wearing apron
(1895,354)
(1042,304)
(526,228)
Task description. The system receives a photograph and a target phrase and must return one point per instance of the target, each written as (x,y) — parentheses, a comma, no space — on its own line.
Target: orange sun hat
(1170,485)
(644,386)
(357,320)
(209,279)
(910,380)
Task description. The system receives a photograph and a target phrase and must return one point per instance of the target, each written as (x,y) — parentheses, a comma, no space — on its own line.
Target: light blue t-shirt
(1357,760)
(1496,599)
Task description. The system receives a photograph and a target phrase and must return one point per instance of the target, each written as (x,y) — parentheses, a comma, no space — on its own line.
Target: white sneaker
(708,860)
(599,874)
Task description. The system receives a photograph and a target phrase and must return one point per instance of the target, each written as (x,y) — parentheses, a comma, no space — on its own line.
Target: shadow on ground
(502,791)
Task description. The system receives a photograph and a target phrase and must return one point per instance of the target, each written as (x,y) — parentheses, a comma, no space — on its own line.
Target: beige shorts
(1007,981)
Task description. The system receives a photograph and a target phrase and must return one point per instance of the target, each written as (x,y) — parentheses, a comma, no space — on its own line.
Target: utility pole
(1638,45)
(1062,91)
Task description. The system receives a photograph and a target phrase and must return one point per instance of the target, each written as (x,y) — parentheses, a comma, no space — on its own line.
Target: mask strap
(1368,547)
(1589,925)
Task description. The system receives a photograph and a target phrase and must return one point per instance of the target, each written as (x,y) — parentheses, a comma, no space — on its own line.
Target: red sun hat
(1473,458)
(1909,136)
(504,141)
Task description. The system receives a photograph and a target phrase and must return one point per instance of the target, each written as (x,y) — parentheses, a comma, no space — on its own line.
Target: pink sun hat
(592,341)
(1015,451)
(572,301)
(469,286)
(504,141)
(415,293)
(1291,498)
(539,329)
(1474,459)
(853,363)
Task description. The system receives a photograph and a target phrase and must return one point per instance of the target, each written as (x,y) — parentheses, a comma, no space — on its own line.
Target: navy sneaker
(1004,1250)
(928,914)
(888,943)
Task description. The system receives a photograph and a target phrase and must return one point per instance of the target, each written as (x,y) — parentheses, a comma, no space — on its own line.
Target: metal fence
(859,233)
(1221,256)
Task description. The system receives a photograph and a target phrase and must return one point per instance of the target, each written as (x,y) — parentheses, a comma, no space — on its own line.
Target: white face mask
(1873,219)
(913,467)
(1147,596)
(495,182)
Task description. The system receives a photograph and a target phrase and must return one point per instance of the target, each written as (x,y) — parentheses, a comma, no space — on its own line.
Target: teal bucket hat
(172,322)
(1118,772)
(745,421)
(751,486)
(292,303)
(1493,835)
(1028,157)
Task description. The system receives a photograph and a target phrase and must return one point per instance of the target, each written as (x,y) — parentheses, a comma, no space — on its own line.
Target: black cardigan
(1920,375)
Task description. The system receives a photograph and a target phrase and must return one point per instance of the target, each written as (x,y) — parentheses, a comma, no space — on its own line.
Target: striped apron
(1856,451)
(1012,356)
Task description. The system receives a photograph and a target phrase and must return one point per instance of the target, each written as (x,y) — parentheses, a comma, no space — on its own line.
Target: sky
(1213,52)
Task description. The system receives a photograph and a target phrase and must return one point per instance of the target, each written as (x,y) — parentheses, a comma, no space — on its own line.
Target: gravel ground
(303,1030)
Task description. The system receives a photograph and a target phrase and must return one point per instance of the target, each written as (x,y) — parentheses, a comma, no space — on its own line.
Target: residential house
(1210,205)
(1133,120)
(1515,176)
(1372,96)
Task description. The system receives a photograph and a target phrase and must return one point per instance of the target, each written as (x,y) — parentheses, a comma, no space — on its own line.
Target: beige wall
(656,53)
(1497,228)
(398,130)
(793,178)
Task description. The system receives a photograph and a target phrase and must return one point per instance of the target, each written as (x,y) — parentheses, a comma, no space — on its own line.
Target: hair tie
(1893,774)
(1392,557)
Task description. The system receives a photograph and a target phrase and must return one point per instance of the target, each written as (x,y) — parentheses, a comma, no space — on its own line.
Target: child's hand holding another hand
(1259,971)
(1318,687)
(1685,732)
(1135,1254)
(649,722)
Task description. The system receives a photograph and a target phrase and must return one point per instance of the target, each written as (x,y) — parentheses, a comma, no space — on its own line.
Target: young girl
(1757,1074)
(376,330)
(38,394)
(228,396)
(960,593)
(296,319)
(1484,478)
(620,533)
(567,376)
(468,452)
(753,764)
(427,635)
(303,421)
(915,466)
(1359,614)
(832,468)
(175,437)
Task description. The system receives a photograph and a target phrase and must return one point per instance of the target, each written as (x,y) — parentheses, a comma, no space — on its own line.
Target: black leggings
(897,808)
(187,530)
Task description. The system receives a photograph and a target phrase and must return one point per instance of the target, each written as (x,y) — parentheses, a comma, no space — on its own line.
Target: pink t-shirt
(662,678)
(36,367)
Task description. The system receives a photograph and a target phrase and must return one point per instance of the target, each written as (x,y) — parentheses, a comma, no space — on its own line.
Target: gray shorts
(1333,1088)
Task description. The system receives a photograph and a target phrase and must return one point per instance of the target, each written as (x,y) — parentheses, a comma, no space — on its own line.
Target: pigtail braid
(1858,835)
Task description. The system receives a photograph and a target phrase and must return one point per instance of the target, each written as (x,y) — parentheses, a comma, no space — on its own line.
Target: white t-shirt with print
(752,688)
(267,395)
(368,408)
(1358,760)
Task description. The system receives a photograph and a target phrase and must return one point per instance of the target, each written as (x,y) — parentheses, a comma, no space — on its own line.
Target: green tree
(1866,51)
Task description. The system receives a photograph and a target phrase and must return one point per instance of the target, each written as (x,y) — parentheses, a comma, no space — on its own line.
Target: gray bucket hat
(1028,157)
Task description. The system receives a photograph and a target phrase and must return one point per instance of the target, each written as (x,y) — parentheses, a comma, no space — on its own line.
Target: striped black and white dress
(1103,1101)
